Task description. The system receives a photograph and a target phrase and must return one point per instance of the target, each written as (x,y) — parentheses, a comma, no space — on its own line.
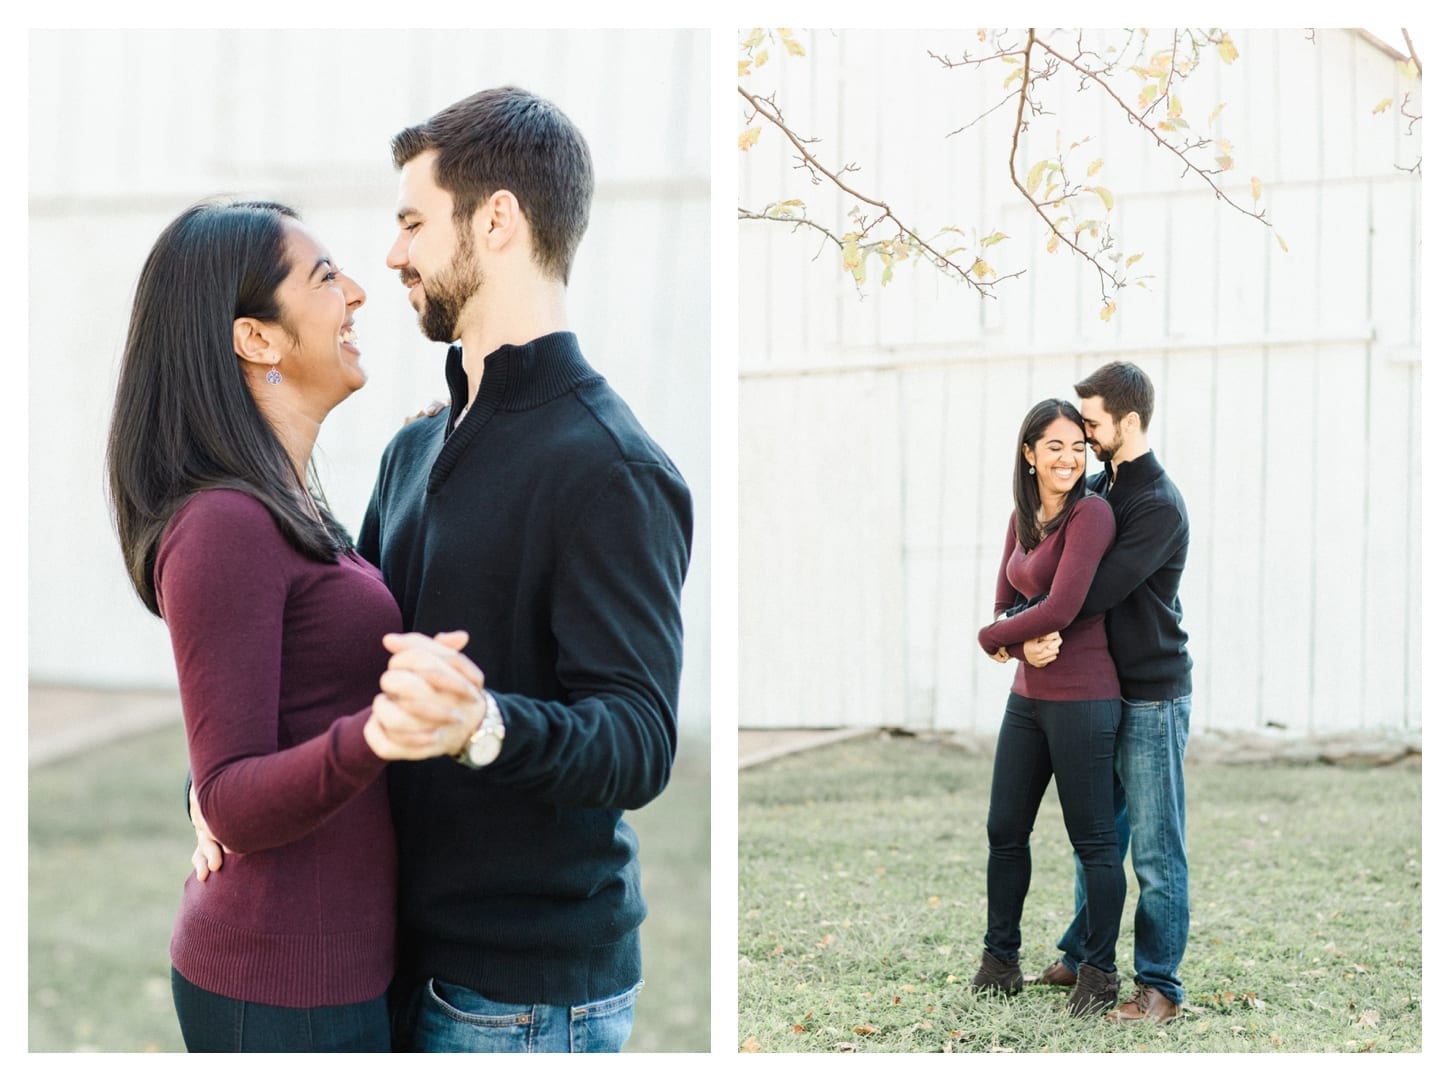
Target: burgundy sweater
(278,657)
(1062,566)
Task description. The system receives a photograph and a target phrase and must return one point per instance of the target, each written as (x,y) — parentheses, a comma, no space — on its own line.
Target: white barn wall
(162,118)
(1288,388)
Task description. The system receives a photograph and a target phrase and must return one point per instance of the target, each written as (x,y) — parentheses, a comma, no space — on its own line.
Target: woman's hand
(208,855)
(1001,656)
(431,701)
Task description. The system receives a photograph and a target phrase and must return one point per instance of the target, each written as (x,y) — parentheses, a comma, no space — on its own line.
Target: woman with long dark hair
(1061,720)
(295,687)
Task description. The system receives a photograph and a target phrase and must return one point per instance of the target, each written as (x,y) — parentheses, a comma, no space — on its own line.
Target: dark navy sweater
(557,533)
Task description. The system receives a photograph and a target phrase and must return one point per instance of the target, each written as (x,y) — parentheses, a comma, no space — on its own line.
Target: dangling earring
(1031,469)
(274,376)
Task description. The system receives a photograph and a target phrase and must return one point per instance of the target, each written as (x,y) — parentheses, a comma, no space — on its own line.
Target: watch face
(484,748)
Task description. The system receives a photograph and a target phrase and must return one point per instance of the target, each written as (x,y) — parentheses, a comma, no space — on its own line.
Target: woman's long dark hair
(1024,484)
(184,420)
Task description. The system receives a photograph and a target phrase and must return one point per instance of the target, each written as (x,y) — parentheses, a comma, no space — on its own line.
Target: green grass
(109,850)
(863,903)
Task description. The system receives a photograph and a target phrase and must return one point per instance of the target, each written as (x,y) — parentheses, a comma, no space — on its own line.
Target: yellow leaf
(1224,162)
(1175,107)
(742,67)
(1280,239)
(761,57)
(1132,259)
(1094,167)
(1214,115)
(749,137)
(1146,96)
(1225,146)
(995,238)
(1409,69)
(1034,176)
(794,47)
(1382,106)
(1106,196)
(1014,77)
(1052,244)
(754,38)
(1257,187)
(982,270)
(1107,313)
(1226,50)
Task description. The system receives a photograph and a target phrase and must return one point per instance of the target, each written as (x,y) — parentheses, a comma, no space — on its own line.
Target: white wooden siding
(129,127)
(877,432)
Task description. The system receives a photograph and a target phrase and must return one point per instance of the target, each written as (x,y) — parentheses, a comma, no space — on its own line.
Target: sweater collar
(1138,473)
(519,376)
(515,378)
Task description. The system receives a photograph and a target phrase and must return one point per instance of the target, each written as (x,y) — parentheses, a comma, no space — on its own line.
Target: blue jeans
(1073,742)
(447,1017)
(1152,825)
(212,1022)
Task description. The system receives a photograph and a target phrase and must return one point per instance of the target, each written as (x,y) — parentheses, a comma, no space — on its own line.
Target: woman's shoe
(1095,992)
(996,974)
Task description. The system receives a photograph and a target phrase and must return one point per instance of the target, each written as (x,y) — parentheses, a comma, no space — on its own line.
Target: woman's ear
(253,342)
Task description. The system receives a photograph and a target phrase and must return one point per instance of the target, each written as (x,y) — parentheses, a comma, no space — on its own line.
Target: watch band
(484,745)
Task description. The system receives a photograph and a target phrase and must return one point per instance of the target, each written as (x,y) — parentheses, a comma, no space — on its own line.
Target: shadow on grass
(109,850)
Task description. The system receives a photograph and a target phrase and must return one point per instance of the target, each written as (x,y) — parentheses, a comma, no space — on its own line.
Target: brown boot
(996,974)
(1056,975)
(1147,1004)
(1094,993)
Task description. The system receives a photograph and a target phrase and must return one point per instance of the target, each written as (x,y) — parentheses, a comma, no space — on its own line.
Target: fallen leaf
(1368,1019)
(750,1046)
(866,1030)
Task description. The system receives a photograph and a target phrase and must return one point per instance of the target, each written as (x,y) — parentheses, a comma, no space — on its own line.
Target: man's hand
(1040,652)
(208,855)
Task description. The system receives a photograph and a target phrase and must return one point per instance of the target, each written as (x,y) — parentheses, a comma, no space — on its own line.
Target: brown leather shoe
(1147,1004)
(1056,975)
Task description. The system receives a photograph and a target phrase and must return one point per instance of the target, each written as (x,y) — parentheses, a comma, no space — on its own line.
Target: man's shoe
(996,974)
(1147,1004)
(1056,975)
(1093,993)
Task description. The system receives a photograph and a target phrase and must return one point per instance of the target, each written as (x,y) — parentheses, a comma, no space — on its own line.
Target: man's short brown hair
(1124,388)
(509,139)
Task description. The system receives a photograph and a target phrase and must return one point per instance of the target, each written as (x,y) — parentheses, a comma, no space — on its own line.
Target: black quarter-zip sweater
(557,533)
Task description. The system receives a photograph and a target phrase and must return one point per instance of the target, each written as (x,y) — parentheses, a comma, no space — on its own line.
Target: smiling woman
(1061,720)
(241,342)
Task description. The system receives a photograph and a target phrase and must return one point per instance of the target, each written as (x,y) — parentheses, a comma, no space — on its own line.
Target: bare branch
(1410,45)
(766,108)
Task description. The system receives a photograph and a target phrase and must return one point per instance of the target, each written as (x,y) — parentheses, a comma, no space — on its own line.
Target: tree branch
(766,108)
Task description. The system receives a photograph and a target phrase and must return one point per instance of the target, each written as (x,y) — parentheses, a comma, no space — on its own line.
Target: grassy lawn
(109,849)
(863,903)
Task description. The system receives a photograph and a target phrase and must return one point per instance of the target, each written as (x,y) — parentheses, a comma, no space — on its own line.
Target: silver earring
(1031,469)
(274,376)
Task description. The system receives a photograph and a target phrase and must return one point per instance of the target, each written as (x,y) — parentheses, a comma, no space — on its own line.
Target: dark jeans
(211,1022)
(1073,741)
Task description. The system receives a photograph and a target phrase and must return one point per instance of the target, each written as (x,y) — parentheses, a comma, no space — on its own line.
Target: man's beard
(445,296)
(1104,451)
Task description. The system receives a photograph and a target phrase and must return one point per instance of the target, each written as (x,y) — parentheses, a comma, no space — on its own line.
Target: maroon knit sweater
(1062,566)
(278,657)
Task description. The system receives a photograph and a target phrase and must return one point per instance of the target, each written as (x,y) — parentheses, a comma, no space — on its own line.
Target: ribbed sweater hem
(561,979)
(298,970)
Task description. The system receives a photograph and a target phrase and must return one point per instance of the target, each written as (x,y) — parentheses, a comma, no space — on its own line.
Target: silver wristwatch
(485,744)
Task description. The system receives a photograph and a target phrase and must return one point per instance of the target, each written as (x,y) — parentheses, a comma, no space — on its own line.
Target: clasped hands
(429,704)
(1038,652)
(431,699)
